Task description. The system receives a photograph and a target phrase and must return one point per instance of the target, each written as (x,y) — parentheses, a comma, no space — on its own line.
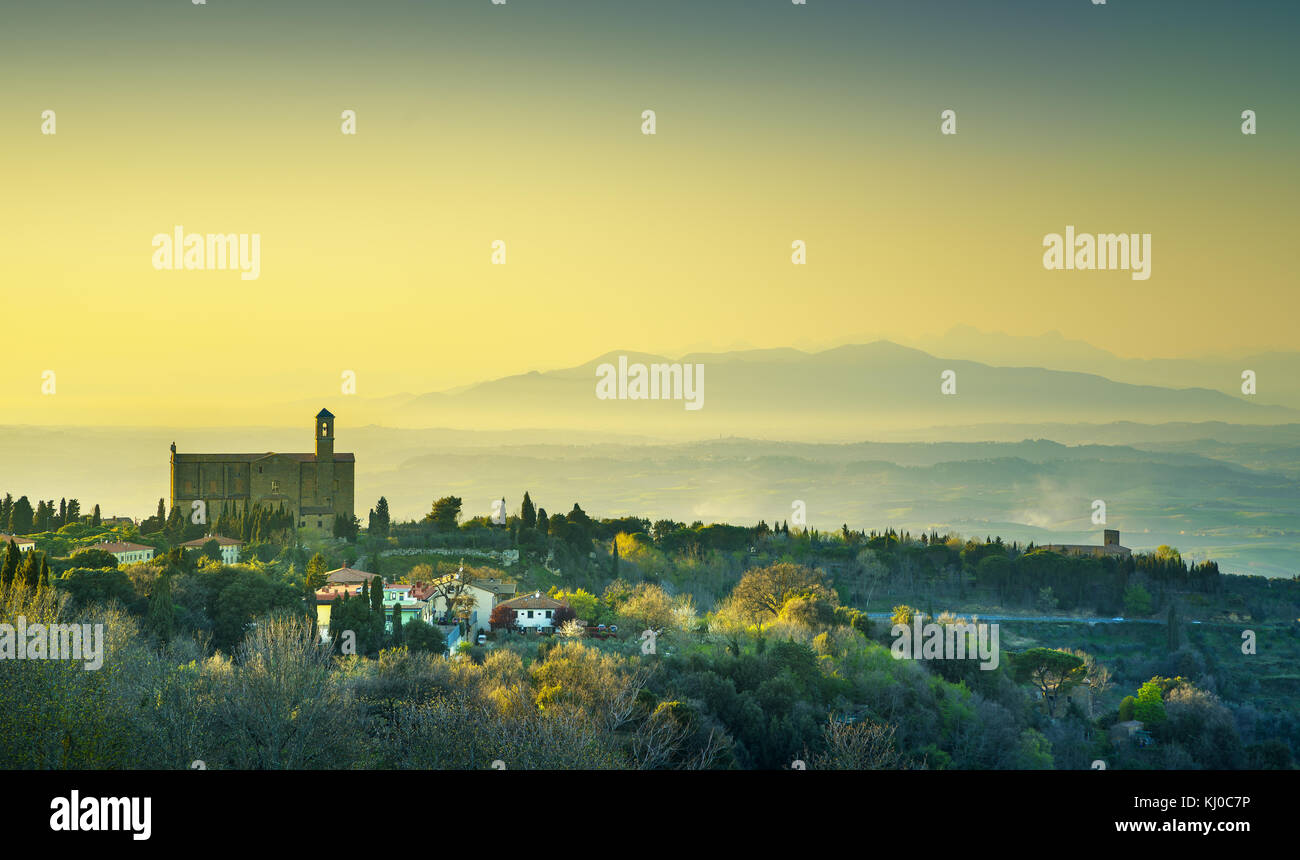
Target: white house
(126,553)
(487,593)
(24,544)
(534,612)
(229,547)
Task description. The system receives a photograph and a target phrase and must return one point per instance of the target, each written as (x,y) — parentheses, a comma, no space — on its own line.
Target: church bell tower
(324,436)
(325,460)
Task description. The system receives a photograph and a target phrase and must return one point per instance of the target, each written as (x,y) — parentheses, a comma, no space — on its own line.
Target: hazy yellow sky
(523,124)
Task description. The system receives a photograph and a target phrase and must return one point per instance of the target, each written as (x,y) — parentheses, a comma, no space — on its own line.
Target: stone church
(314,487)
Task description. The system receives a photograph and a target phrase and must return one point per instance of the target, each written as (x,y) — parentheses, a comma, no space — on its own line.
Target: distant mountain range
(849,393)
(1278,372)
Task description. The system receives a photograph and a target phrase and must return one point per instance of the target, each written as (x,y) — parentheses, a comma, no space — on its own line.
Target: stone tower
(324,458)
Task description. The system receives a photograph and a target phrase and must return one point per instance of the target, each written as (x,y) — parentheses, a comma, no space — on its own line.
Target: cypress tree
(161,618)
(397,623)
(527,513)
(96,518)
(377,596)
(316,572)
(30,571)
(10,569)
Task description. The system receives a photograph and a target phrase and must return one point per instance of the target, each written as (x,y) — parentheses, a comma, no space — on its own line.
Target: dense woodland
(764,651)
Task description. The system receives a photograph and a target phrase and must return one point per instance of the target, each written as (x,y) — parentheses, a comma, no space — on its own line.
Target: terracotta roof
(494,586)
(329,595)
(221,541)
(16,539)
(347,576)
(536,600)
(122,547)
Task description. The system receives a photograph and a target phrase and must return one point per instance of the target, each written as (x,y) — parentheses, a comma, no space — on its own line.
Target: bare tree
(279,705)
(859,746)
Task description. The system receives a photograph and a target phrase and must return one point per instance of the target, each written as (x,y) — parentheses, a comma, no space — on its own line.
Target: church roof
(324,413)
(248,458)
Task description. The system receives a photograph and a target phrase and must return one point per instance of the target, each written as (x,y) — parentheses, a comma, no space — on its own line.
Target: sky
(522,122)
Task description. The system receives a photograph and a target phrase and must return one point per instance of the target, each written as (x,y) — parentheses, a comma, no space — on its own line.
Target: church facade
(314,487)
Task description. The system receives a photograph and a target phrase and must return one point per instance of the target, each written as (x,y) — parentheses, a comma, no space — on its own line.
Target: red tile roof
(122,547)
(329,595)
(347,576)
(537,600)
(221,541)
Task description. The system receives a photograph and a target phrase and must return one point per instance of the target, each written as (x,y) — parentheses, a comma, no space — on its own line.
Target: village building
(534,612)
(485,594)
(229,547)
(346,576)
(125,552)
(23,544)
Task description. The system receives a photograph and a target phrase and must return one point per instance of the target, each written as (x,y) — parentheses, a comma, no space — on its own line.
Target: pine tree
(20,521)
(74,511)
(527,513)
(380,524)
